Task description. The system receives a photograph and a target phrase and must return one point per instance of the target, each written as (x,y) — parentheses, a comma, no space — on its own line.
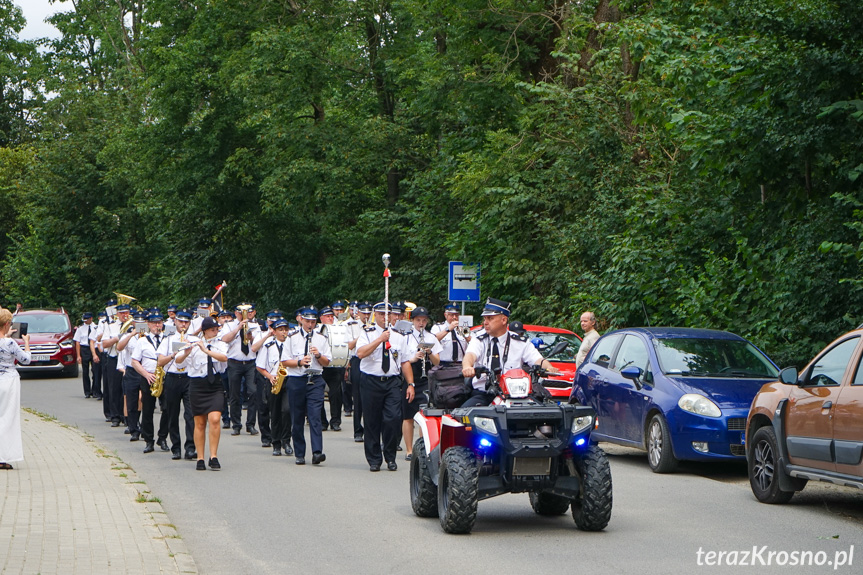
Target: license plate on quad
(531,466)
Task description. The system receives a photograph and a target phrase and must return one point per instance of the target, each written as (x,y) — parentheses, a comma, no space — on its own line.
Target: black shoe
(358,438)
(266,444)
(190,455)
(126,431)
(163,445)
(214,463)
(392,466)
(251,430)
(374,468)
(176,455)
(349,414)
(135,436)
(398,447)
(336,427)
(108,420)
(277,451)
(97,397)
(200,466)
(88,396)
(288,449)
(318,458)
(148,448)
(226,425)
(235,432)
(325,427)
(300,461)
(409,456)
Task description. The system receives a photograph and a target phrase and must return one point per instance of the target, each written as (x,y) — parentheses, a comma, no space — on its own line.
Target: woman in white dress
(11,448)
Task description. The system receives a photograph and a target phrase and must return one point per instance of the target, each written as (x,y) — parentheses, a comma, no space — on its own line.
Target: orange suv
(809,426)
(51,345)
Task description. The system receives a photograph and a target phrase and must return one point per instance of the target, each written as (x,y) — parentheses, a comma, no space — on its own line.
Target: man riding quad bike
(521,442)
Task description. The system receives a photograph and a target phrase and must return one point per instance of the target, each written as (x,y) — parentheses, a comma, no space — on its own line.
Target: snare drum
(340,336)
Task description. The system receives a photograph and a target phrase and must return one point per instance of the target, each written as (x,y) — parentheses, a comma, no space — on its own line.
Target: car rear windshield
(45,323)
(712,358)
(549,340)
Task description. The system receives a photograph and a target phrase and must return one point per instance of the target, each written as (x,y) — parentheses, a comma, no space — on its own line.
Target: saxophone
(280,380)
(157,386)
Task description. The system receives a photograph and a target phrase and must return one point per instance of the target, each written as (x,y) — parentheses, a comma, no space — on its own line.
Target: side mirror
(558,348)
(633,373)
(788,376)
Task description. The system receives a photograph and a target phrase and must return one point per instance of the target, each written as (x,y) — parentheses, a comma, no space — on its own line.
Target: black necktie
(385,362)
(244,345)
(158,341)
(211,372)
(495,356)
(454,346)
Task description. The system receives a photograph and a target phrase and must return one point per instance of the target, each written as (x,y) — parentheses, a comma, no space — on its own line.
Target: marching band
(371,364)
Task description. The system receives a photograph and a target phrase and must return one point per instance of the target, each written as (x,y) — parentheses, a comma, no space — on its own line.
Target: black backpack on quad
(521,443)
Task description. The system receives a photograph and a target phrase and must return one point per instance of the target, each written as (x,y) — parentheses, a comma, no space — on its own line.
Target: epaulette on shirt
(481,335)
(369,328)
(294,332)
(516,336)
(269,343)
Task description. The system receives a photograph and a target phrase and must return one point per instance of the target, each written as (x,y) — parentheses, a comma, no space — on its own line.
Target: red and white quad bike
(520,443)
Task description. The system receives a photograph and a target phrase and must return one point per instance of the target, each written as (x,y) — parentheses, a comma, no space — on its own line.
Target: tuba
(157,386)
(280,379)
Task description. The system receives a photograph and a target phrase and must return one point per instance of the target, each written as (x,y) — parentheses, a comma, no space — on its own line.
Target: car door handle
(827,405)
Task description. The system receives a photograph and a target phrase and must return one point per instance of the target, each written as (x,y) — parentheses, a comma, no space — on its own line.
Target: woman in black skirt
(201,360)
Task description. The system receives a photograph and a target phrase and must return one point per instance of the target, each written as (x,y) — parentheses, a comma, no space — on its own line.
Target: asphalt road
(264,514)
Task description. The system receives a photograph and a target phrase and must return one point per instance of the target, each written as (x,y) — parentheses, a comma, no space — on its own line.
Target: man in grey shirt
(588,325)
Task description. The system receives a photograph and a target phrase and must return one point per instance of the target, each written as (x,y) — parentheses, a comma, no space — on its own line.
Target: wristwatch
(412,384)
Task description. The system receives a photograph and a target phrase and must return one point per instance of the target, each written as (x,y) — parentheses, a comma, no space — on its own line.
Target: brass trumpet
(464,330)
(245,310)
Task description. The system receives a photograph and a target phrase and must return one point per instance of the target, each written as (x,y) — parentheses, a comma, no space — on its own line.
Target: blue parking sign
(463,282)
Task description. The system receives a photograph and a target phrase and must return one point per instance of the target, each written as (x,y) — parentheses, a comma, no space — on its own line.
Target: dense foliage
(682,163)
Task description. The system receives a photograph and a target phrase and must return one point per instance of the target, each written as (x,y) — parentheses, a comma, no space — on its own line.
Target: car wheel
(660,456)
(423,490)
(591,511)
(71,370)
(548,503)
(457,495)
(764,468)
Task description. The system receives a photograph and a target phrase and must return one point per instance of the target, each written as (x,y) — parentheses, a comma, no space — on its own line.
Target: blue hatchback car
(679,393)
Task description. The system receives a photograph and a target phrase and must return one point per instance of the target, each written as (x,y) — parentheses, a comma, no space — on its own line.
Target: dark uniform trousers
(356,379)
(226,385)
(262,397)
(382,413)
(96,388)
(348,389)
(113,389)
(334,376)
(305,401)
(86,362)
(105,370)
(175,391)
(237,371)
(280,416)
(148,408)
(131,382)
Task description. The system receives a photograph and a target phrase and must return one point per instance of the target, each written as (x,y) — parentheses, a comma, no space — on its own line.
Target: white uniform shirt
(146,351)
(235,350)
(110,330)
(272,354)
(82,334)
(446,343)
(124,357)
(297,349)
(512,349)
(372,364)
(167,348)
(414,339)
(196,362)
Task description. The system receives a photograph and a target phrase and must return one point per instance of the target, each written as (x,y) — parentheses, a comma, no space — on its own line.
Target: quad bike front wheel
(457,490)
(591,511)
(549,504)
(423,490)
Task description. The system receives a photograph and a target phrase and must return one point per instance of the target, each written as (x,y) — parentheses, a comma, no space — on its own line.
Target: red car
(51,345)
(561,357)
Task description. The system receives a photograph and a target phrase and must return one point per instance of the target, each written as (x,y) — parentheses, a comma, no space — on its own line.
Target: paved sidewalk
(71,507)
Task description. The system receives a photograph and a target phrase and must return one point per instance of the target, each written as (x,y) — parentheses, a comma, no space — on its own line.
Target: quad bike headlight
(486,424)
(579,424)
